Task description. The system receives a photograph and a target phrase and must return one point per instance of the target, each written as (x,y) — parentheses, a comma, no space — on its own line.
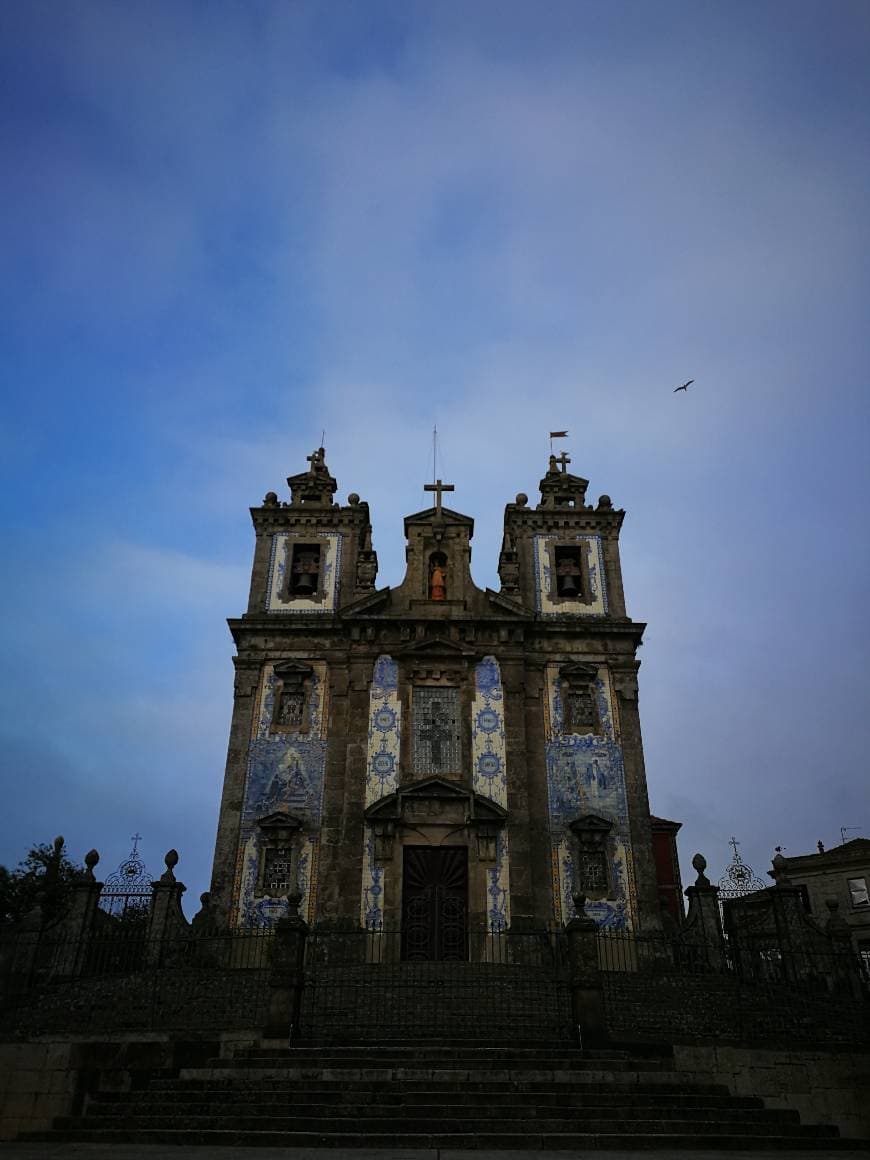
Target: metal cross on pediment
(437,731)
(563,460)
(136,839)
(438,487)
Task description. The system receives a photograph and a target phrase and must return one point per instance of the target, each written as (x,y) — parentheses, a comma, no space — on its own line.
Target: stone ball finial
(353,499)
(522,499)
(205,898)
(605,503)
(91,859)
(270,499)
(171,861)
(699,865)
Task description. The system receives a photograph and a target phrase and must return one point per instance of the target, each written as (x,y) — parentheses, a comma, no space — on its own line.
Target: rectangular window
(435,740)
(579,711)
(593,870)
(289,708)
(277,866)
(858,892)
(304,575)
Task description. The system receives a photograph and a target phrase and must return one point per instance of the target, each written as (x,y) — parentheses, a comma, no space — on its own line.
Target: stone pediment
(507,603)
(434,646)
(371,602)
(435,798)
(292,669)
(591,824)
(431,515)
(279,820)
(578,672)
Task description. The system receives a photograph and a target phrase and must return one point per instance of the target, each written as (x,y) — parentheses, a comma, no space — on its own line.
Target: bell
(305,583)
(569,584)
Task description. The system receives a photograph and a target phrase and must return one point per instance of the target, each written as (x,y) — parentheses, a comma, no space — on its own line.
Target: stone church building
(436,757)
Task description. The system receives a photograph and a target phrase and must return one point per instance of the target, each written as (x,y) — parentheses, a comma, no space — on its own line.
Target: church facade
(436,757)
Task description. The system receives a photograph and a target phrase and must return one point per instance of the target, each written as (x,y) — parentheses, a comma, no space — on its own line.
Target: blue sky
(227,226)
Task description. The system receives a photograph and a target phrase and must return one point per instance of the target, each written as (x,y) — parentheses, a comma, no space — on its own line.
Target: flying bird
(684,387)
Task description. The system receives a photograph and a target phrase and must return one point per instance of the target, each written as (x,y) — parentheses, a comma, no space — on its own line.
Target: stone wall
(680,1007)
(824,1087)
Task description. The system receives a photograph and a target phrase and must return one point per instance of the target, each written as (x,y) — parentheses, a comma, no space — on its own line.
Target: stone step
(591,1082)
(438,1125)
(461,1075)
(506,1062)
(371,1119)
(398,1099)
(376,1088)
(732,1139)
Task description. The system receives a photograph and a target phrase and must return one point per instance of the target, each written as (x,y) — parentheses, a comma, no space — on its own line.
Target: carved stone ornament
(366,571)
(625,685)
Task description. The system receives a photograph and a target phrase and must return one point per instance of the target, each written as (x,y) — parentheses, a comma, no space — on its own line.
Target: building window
(435,741)
(579,710)
(858,892)
(292,690)
(592,871)
(569,573)
(277,871)
(304,574)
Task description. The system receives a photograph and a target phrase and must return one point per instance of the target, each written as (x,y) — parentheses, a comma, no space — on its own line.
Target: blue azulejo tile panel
(372,902)
(498,894)
(488,751)
(385,723)
(586,775)
(285,774)
(545,600)
(326,596)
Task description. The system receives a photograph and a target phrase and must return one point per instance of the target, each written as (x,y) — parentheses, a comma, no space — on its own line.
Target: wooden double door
(435,903)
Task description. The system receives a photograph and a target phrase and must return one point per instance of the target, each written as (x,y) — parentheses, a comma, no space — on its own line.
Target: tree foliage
(42,877)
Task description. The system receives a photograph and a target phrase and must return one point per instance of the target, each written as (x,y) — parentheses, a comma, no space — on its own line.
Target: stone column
(701,934)
(584,978)
(646,885)
(287,974)
(74,930)
(166,922)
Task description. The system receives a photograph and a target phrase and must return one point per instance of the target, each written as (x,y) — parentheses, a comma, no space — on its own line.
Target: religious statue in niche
(437,576)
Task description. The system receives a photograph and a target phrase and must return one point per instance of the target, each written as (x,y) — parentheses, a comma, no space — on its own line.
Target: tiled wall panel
(285,772)
(331,569)
(586,775)
(597,606)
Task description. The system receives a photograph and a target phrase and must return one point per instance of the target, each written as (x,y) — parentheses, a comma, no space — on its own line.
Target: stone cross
(438,487)
(563,460)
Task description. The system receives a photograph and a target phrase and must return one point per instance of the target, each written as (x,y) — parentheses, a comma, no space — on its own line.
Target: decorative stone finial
(294,898)
(579,900)
(205,899)
(699,864)
(270,499)
(605,503)
(171,861)
(91,859)
(353,499)
(779,865)
(522,499)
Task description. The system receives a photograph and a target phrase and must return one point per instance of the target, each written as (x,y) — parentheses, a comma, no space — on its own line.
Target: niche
(437,576)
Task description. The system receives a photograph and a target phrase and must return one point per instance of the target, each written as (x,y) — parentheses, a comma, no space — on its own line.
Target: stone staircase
(455,1094)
